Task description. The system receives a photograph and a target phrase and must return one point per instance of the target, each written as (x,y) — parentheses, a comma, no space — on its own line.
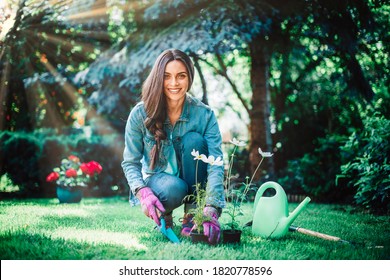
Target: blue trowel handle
(168,232)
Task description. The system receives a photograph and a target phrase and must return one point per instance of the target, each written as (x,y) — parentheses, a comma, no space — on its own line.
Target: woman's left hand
(212,228)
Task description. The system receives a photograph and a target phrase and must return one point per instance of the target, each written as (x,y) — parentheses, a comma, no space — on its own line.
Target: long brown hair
(154,99)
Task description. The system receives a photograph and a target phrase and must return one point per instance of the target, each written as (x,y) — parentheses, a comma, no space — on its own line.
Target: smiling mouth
(174,91)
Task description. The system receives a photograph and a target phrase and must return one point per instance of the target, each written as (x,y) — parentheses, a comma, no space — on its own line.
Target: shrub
(314,174)
(27,158)
(367,165)
(20,160)
(6,185)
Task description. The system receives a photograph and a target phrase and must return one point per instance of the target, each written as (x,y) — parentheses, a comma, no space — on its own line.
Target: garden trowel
(168,232)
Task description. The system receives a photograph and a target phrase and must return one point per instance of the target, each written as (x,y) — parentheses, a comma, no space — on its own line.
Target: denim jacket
(196,117)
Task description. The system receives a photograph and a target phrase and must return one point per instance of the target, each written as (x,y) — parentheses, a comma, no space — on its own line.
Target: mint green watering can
(271,218)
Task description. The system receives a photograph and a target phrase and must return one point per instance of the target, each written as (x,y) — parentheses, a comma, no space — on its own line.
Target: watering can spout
(294,214)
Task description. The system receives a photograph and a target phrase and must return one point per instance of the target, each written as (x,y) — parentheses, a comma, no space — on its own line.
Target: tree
(319,69)
(40,53)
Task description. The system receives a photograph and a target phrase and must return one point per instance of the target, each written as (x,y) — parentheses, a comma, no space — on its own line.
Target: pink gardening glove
(149,203)
(212,228)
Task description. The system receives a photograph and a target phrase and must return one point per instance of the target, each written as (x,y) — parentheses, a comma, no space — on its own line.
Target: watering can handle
(263,188)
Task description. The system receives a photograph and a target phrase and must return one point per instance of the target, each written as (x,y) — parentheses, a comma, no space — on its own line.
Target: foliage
(199,198)
(6,184)
(201,193)
(234,207)
(237,195)
(316,82)
(74,174)
(314,173)
(27,158)
(40,54)
(108,229)
(19,159)
(367,169)
(234,195)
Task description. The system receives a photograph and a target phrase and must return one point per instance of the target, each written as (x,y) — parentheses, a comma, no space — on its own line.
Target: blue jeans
(170,189)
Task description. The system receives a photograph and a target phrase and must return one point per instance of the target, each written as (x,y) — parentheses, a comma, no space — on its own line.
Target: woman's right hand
(212,228)
(150,203)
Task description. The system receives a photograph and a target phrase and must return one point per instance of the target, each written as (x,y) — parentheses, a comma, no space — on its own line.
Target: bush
(20,160)
(314,174)
(6,185)
(367,165)
(27,158)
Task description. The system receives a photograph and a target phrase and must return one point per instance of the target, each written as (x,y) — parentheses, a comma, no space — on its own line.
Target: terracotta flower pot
(231,236)
(66,195)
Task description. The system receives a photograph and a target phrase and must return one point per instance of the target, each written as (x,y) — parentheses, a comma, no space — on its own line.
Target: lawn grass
(109,229)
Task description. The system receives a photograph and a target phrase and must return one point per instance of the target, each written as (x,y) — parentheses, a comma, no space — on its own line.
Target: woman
(161,132)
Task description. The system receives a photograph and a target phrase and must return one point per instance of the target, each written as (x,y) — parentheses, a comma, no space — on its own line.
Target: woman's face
(175,81)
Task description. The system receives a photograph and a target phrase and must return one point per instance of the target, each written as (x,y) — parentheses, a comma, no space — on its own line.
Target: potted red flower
(72,176)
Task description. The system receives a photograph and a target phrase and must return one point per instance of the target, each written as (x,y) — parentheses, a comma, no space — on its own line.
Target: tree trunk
(259,128)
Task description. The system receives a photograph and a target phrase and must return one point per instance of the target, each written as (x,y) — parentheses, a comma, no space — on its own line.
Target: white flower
(196,155)
(237,142)
(204,158)
(265,154)
(212,160)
